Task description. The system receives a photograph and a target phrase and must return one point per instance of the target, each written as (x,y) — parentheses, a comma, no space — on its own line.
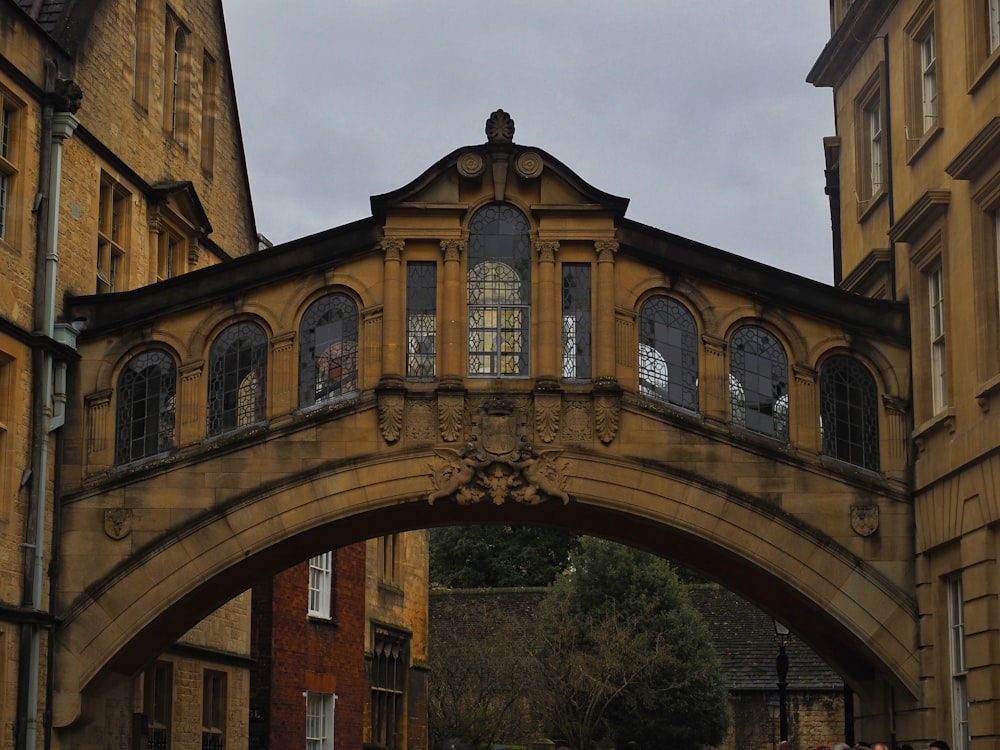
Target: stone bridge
(496,343)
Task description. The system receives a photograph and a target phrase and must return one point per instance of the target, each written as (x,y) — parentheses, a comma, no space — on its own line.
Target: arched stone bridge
(496,343)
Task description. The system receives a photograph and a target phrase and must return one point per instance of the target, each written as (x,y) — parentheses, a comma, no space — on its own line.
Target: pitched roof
(47,13)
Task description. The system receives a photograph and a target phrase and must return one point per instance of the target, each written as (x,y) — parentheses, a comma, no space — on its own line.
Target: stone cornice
(852,37)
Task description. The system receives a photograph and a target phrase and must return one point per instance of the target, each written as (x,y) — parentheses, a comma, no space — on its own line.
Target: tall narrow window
(7,461)
(993,23)
(8,167)
(319,720)
(209,105)
(388,558)
(928,80)
(873,134)
(758,382)
(158,697)
(576,321)
(499,292)
(236,378)
(328,350)
(173,73)
(171,254)
(668,353)
(320,585)
(140,54)
(959,672)
(146,405)
(849,412)
(112,235)
(936,323)
(389,663)
(213,710)
(421,319)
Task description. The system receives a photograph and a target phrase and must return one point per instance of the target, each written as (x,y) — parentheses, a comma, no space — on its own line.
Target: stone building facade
(913,173)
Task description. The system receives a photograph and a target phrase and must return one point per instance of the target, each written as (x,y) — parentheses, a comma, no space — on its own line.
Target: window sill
(867,207)
(923,143)
(944,419)
(985,70)
(985,391)
(838,464)
(321,620)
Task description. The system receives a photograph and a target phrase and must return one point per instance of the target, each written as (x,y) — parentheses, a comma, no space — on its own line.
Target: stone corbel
(451,414)
(548,410)
(607,410)
(391,401)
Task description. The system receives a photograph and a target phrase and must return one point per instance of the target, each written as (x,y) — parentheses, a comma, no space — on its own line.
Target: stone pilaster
(392,309)
(604,318)
(549,331)
(451,327)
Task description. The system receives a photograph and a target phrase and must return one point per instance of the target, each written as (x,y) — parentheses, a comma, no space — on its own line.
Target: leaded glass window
(236,378)
(576,321)
(144,420)
(499,292)
(668,353)
(849,412)
(421,319)
(390,657)
(758,383)
(328,350)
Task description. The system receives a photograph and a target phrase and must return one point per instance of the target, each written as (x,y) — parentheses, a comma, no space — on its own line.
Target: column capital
(452,249)
(392,247)
(546,250)
(606,250)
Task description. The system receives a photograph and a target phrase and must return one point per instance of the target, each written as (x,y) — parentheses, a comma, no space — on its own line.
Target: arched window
(668,353)
(236,378)
(758,382)
(328,350)
(144,420)
(499,289)
(848,404)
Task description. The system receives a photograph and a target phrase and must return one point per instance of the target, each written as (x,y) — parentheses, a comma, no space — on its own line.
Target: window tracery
(668,353)
(328,350)
(146,407)
(237,378)
(758,382)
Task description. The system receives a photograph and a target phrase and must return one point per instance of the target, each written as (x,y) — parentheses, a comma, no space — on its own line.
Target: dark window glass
(421,319)
(668,353)
(499,289)
(758,382)
(328,350)
(389,659)
(849,412)
(146,403)
(576,317)
(236,378)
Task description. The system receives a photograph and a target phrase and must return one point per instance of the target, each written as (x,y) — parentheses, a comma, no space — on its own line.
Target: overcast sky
(695,110)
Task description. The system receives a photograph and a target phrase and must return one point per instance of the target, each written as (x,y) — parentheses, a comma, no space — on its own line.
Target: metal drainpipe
(63,125)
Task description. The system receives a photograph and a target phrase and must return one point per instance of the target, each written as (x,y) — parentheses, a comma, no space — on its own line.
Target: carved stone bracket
(390,412)
(607,411)
(451,414)
(548,410)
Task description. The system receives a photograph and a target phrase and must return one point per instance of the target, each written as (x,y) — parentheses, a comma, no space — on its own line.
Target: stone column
(392,310)
(451,329)
(549,331)
(100,431)
(604,318)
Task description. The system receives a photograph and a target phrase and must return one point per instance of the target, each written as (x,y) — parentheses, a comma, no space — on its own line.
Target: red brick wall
(287,644)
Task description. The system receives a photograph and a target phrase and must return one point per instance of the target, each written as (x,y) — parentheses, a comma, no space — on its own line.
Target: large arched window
(499,289)
(236,378)
(668,353)
(848,403)
(144,419)
(758,382)
(328,350)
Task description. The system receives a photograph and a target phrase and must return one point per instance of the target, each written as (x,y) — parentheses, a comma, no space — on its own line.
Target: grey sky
(696,110)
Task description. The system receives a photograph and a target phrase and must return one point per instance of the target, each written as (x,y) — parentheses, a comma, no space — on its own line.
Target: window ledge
(944,419)
(838,464)
(142,463)
(923,143)
(986,390)
(984,71)
(321,620)
(867,207)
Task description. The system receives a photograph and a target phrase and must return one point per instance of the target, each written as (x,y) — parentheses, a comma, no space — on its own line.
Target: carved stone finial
(499,128)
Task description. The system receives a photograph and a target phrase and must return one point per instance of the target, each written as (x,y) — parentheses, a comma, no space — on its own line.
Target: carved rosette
(607,415)
(390,415)
(451,416)
(548,408)
(471,164)
(118,522)
(529,164)
(864,519)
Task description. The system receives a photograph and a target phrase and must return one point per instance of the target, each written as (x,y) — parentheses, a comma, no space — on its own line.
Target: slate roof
(745,641)
(47,13)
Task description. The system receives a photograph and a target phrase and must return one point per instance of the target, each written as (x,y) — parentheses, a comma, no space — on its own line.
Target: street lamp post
(781,665)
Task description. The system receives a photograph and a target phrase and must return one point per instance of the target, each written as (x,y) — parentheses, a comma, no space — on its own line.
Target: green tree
(498,556)
(625,658)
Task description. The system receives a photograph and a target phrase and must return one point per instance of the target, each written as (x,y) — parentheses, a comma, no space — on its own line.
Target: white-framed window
(319,720)
(873,139)
(959,671)
(320,585)
(936,330)
(993,24)
(928,80)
